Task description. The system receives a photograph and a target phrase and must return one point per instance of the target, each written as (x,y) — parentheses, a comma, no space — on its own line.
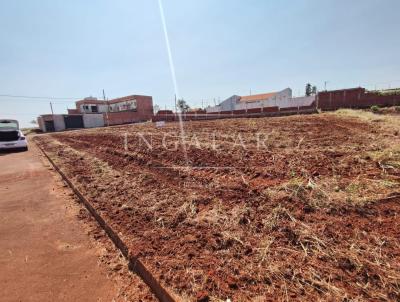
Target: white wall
(283,99)
(100,108)
(41,124)
(297,102)
(213,109)
(93,120)
(229,103)
(59,123)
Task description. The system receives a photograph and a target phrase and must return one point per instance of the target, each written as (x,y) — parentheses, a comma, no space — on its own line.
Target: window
(94,109)
(8,124)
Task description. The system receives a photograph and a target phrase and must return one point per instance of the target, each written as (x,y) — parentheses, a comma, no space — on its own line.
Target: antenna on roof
(325,82)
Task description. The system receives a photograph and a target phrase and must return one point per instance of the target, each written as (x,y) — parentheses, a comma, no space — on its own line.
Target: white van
(11,137)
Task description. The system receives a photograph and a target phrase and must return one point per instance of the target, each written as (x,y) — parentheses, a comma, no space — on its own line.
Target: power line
(40,97)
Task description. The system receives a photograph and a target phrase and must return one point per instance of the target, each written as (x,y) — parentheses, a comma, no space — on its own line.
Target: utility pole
(326,82)
(176,108)
(108,108)
(51,107)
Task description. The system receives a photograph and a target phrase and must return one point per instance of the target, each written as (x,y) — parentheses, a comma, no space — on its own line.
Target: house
(236,102)
(128,109)
(91,112)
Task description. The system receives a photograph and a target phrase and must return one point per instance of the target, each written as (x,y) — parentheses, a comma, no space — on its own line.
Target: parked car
(11,136)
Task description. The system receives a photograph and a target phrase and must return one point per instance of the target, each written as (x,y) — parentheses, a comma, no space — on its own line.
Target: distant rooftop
(257,97)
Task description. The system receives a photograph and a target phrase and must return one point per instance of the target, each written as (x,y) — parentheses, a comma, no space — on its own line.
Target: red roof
(257,97)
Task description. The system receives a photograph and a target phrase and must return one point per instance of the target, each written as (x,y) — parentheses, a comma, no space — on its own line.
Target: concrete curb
(134,263)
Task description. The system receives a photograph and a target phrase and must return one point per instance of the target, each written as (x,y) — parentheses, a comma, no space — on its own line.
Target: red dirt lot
(292,208)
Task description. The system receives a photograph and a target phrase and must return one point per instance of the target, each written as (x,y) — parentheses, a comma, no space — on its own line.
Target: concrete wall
(59,123)
(248,105)
(285,93)
(93,120)
(213,109)
(297,102)
(229,103)
(41,125)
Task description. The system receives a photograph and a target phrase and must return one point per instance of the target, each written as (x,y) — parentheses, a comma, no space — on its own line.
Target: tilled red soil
(293,208)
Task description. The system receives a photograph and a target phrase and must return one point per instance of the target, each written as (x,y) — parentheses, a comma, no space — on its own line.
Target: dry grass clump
(388,159)
(388,122)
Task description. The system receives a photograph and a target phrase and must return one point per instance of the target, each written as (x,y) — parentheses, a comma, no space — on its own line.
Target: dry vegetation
(311,212)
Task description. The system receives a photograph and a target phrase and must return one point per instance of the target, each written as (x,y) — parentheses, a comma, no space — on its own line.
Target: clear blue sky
(76,48)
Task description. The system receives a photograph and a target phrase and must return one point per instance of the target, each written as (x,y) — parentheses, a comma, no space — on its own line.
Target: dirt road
(45,255)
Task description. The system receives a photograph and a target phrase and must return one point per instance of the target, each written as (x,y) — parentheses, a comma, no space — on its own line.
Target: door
(73,121)
(49,125)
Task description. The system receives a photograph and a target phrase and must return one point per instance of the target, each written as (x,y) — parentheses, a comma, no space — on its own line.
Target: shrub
(375,108)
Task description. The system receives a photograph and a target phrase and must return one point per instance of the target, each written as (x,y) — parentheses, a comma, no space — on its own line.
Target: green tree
(314,90)
(182,105)
(308,89)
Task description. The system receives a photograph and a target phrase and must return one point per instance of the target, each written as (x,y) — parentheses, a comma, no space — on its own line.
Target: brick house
(128,109)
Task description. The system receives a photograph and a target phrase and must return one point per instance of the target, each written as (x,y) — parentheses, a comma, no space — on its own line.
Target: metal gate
(73,121)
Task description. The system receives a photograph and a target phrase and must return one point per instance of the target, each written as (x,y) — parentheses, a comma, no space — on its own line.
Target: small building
(91,112)
(236,102)
(61,122)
